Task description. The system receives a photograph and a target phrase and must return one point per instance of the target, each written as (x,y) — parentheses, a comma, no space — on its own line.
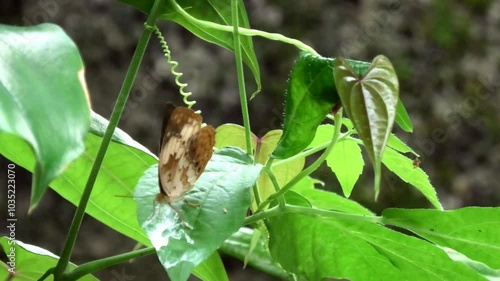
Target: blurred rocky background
(446,54)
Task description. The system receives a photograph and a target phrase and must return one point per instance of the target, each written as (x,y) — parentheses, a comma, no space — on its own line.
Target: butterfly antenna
(177,75)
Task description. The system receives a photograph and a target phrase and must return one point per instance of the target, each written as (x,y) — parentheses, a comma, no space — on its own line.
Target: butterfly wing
(201,148)
(179,166)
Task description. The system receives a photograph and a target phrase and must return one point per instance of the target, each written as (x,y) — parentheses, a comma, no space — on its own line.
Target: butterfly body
(185,148)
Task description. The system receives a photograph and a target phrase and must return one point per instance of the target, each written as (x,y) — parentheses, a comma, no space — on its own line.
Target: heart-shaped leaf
(371,102)
(43,99)
(213,210)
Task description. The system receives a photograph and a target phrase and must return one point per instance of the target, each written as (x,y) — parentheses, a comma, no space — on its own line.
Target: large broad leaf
(234,135)
(28,262)
(316,248)
(404,168)
(213,210)
(370,101)
(213,11)
(311,95)
(111,200)
(43,99)
(472,231)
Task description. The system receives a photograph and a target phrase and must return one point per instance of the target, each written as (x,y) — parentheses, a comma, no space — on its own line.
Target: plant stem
(244,31)
(113,122)
(312,167)
(241,76)
(271,212)
(331,214)
(279,210)
(96,265)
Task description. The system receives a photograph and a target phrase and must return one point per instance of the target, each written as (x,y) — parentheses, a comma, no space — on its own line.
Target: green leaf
(472,231)
(239,245)
(402,118)
(43,99)
(371,102)
(284,172)
(395,143)
(212,269)
(311,95)
(316,248)
(347,163)
(29,262)
(479,267)
(234,135)
(124,164)
(222,194)
(213,11)
(403,167)
(326,200)
(345,159)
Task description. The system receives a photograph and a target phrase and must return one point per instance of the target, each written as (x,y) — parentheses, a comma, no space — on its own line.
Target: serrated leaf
(43,99)
(214,11)
(395,143)
(315,248)
(347,163)
(371,102)
(402,118)
(345,159)
(30,262)
(326,200)
(472,231)
(403,167)
(222,194)
(311,95)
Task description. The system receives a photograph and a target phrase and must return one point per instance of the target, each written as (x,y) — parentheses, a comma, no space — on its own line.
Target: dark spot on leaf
(432,229)
(479,230)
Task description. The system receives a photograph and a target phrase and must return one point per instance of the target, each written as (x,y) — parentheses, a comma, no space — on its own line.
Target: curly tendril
(174,65)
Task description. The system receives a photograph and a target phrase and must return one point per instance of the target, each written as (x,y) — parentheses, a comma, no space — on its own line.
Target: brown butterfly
(185,148)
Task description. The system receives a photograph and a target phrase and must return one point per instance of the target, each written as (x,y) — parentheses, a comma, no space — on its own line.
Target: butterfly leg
(180,216)
(192,204)
(154,210)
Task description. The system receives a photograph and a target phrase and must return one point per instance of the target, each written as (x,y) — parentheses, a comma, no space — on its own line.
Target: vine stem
(96,265)
(311,168)
(113,122)
(244,31)
(241,75)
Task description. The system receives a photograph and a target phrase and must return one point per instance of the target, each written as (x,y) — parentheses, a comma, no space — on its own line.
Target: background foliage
(445,53)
